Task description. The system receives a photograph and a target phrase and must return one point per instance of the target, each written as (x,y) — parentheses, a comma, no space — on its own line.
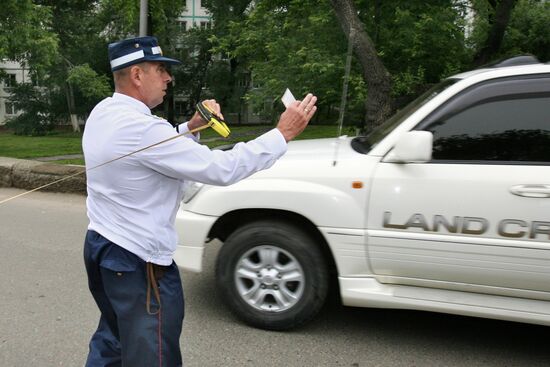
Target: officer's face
(154,83)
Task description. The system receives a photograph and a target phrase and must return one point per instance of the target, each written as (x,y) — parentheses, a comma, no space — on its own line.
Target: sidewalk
(58,157)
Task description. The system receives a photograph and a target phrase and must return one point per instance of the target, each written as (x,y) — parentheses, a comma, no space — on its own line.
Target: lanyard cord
(104,163)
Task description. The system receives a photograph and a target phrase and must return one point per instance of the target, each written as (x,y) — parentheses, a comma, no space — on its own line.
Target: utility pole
(143,18)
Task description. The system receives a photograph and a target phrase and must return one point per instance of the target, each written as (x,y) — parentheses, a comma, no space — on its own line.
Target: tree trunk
(232,83)
(379,104)
(70,104)
(203,62)
(498,21)
(169,109)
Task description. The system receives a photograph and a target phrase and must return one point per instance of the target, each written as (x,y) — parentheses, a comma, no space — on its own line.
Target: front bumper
(192,231)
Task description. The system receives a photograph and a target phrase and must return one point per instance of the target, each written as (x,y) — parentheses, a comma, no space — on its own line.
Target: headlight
(191,189)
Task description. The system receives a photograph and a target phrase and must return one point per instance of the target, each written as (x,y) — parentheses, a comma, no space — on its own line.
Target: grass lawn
(29,147)
(245,133)
(39,146)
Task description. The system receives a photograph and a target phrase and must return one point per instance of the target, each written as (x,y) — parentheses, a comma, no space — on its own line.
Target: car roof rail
(514,61)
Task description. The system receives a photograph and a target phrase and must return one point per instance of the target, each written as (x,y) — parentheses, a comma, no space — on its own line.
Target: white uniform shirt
(133,201)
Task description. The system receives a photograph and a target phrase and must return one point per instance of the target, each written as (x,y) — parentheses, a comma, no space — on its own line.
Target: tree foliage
(26,34)
(193,50)
(93,87)
(37,117)
(299,44)
(497,19)
(256,49)
(420,42)
(287,44)
(528,31)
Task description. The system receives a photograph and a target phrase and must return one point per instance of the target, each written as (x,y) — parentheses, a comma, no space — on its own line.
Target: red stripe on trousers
(160,341)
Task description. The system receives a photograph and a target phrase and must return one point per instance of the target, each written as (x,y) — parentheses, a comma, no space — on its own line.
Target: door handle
(531,191)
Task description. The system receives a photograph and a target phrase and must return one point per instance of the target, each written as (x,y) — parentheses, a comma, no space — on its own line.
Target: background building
(15,73)
(194,16)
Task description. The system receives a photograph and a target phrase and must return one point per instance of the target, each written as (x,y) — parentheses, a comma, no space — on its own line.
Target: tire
(272,275)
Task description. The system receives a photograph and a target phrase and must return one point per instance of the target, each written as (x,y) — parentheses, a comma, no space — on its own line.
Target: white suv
(445,207)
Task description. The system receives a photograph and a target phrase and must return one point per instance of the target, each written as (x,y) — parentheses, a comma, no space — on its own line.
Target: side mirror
(412,147)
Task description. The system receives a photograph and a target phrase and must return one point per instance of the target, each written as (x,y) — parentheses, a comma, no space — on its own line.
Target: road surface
(47,315)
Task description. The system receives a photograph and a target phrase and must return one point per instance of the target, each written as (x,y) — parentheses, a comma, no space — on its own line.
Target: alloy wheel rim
(269,278)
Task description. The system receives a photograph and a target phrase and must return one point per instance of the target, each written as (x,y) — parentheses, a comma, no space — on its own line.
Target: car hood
(319,149)
(312,158)
(304,178)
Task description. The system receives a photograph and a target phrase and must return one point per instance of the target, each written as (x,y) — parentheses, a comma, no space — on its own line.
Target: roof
(517,65)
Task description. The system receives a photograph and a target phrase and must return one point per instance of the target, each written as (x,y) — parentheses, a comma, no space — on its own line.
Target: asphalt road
(47,314)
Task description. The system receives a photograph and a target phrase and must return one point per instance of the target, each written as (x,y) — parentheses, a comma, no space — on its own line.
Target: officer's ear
(136,75)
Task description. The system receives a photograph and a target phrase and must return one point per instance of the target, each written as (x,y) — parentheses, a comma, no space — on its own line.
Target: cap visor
(166,60)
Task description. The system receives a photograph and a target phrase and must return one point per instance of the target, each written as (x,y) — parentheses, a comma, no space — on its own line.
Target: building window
(10,108)
(10,81)
(243,80)
(182,25)
(205,25)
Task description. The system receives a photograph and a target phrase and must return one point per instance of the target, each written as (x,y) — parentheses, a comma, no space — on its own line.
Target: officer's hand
(296,117)
(197,120)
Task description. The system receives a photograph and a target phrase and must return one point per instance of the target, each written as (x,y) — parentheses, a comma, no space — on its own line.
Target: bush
(36,118)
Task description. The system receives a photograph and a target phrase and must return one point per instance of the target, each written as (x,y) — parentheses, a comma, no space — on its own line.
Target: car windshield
(363,144)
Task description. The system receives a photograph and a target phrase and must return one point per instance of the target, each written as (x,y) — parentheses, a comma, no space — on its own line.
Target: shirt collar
(138,105)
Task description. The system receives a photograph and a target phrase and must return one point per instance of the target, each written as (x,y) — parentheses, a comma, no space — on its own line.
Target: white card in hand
(287,98)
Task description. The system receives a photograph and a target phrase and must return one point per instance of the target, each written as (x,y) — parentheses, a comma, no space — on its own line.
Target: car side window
(508,125)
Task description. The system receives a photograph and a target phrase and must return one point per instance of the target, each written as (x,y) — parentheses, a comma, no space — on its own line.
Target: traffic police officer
(132,203)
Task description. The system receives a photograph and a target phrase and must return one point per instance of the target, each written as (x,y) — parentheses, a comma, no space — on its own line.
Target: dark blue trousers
(128,335)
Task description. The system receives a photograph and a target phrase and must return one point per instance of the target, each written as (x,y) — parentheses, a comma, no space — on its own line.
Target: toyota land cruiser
(445,207)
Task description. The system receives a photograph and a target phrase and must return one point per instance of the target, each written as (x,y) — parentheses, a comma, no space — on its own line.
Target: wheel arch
(230,221)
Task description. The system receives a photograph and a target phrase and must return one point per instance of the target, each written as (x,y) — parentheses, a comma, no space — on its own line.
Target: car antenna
(344,93)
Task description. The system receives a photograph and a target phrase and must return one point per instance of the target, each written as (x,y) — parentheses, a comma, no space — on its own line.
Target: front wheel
(272,275)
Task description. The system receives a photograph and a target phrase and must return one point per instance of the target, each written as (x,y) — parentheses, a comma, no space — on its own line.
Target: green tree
(379,104)
(256,49)
(91,86)
(495,16)
(26,34)
(229,77)
(76,25)
(37,117)
(195,53)
(120,19)
(528,30)
(519,27)
(76,72)
(418,41)
(301,44)
(286,44)
(71,23)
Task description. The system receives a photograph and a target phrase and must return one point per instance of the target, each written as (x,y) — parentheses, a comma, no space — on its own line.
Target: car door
(477,216)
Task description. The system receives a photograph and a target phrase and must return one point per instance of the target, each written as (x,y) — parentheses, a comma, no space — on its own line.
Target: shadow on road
(472,341)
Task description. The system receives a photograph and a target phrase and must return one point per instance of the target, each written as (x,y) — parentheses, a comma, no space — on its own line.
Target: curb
(26,174)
